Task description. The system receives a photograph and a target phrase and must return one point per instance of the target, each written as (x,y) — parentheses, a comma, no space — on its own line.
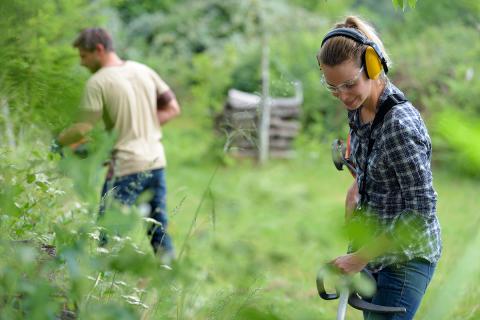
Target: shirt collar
(363,130)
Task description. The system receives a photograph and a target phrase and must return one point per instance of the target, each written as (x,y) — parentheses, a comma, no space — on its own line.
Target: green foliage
(460,131)
(252,238)
(443,12)
(131,9)
(88,173)
(403,3)
(441,71)
(23,291)
(211,76)
(222,49)
(110,311)
(28,191)
(326,8)
(38,60)
(196,27)
(445,82)
(41,211)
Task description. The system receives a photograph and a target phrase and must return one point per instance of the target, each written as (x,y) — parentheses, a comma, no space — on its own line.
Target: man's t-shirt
(126,96)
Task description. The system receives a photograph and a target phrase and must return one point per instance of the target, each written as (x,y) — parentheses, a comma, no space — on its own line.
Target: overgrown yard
(250,239)
(267,231)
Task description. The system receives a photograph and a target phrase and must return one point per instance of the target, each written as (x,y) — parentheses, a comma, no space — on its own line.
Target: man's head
(93,45)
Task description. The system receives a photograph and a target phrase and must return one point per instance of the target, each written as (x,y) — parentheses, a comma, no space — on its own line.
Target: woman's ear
(373,64)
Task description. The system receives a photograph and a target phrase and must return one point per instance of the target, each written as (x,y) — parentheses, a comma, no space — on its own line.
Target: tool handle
(354,299)
(322,292)
(358,303)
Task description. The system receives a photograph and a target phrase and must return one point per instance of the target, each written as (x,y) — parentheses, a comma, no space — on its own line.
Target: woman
(391,150)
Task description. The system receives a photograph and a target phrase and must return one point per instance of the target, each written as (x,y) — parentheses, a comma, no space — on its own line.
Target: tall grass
(275,225)
(252,238)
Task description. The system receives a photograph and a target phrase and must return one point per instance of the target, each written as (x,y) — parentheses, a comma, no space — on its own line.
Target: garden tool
(340,156)
(351,291)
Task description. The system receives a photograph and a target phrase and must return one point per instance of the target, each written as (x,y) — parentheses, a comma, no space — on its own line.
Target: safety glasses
(346,86)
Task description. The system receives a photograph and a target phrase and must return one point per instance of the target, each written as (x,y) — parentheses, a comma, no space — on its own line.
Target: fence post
(265,102)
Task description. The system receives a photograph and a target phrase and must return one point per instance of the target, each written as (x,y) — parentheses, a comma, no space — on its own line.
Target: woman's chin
(354,105)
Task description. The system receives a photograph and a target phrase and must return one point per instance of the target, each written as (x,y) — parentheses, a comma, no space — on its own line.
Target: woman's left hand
(350,263)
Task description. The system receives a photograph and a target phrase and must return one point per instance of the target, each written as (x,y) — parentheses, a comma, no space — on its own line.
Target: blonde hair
(336,50)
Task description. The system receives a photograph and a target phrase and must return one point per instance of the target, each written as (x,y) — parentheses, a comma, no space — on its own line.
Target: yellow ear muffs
(373,63)
(373,58)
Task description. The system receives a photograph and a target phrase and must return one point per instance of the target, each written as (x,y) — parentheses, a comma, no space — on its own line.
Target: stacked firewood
(240,122)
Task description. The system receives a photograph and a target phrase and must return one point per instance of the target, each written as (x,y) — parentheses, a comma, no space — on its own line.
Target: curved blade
(358,303)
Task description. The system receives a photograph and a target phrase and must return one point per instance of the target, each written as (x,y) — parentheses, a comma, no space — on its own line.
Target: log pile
(240,118)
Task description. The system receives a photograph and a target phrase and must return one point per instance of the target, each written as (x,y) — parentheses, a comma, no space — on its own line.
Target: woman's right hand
(353,197)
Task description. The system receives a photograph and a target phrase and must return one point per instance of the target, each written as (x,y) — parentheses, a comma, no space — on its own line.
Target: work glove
(80,150)
(56,147)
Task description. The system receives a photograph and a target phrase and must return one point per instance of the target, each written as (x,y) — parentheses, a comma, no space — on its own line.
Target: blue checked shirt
(399,191)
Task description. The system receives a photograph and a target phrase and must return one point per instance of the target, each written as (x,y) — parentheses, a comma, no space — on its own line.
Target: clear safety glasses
(346,86)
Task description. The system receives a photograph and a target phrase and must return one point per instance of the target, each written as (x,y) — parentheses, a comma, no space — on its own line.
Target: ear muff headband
(372,58)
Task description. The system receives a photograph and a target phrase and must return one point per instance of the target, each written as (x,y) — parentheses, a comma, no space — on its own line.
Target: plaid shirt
(399,193)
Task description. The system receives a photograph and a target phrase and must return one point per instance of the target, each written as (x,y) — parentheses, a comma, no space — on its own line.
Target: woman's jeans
(126,190)
(401,285)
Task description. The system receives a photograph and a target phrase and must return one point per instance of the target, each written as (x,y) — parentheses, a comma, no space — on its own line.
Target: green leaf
(30,178)
(119,219)
(43,186)
(131,260)
(412,3)
(397,4)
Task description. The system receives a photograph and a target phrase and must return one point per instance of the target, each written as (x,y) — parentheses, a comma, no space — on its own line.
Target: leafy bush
(38,77)
(460,132)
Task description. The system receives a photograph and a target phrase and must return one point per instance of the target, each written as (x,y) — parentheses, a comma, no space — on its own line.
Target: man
(133,102)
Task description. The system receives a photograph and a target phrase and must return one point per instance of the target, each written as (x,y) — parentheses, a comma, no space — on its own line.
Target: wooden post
(265,103)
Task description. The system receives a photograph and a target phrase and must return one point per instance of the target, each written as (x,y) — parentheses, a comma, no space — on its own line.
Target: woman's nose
(340,95)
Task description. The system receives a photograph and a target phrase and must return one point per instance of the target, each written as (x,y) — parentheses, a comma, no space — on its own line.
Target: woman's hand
(353,196)
(350,263)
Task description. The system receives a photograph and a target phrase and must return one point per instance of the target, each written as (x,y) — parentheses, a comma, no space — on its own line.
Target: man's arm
(167,107)
(73,134)
(78,131)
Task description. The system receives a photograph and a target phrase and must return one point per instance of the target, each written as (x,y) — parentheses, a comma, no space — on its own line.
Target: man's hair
(90,37)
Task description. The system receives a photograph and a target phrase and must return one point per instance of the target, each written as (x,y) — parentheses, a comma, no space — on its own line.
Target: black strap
(391,101)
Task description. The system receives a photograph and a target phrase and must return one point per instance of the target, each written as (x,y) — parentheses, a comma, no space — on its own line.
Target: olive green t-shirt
(126,97)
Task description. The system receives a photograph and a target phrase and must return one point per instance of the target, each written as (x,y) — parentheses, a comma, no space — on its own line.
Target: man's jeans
(126,190)
(401,285)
